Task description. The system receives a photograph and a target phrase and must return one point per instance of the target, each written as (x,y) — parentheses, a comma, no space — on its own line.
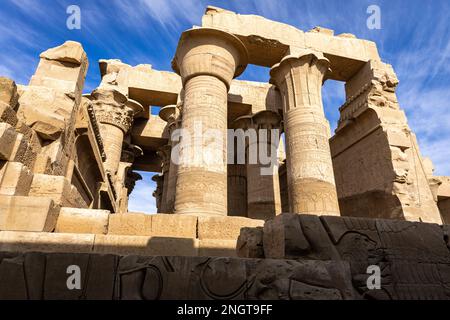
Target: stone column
(171,115)
(115,114)
(237,190)
(263,189)
(158,178)
(311,184)
(164,153)
(207,60)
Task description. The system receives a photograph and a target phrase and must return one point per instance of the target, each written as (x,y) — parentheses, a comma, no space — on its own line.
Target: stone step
(180,226)
(74,220)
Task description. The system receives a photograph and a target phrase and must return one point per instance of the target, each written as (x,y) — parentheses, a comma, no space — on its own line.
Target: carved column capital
(171,115)
(130,153)
(205,51)
(112,107)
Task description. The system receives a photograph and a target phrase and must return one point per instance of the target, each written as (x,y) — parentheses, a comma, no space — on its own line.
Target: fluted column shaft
(311,184)
(207,60)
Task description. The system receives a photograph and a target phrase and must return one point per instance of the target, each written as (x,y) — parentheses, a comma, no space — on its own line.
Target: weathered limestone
(73,220)
(207,61)
(26,213)
(310,176)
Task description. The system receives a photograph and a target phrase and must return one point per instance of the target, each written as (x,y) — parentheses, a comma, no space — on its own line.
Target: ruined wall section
(377,162)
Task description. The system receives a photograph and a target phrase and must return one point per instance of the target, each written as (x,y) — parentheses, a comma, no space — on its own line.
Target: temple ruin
(336,203)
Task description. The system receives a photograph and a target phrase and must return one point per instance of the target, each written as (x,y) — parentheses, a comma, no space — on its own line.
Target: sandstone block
(46,110)
(62,68)
(16,179)
(132,224)
(172,225)
(70,51)
(145,246)
(57,188)
(8,92)
(12,241)
(27,214)
(217,248)
(7,141)
(250,243)
(224,228)
(74,220)
(7,114)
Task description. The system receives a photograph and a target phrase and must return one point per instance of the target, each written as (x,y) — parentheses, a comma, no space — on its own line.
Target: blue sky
(414,38)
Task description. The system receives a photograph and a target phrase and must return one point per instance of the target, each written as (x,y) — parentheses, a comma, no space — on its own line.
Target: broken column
(311,183)
(207,60)
(50,103)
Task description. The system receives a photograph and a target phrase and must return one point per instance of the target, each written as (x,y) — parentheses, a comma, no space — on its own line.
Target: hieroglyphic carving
(413,257)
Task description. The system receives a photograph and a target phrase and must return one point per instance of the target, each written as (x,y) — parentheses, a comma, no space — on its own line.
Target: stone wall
(413,257)
(97,231)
